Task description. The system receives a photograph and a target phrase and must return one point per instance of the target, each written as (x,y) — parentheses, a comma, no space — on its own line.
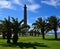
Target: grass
(30,42)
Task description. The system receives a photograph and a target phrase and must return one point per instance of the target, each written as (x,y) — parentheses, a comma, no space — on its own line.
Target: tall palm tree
(40,24)
(6,27)
(54,21)
(16,29)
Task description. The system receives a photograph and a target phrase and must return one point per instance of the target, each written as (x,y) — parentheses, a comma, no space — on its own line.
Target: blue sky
(35,9)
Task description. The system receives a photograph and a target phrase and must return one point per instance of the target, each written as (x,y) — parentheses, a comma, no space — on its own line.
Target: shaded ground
(25,45)
(51,39)
(30,42)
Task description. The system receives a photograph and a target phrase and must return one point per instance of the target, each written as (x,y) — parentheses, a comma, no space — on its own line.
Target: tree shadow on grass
(25,45)
(51,39)
(1,38)
(31,45)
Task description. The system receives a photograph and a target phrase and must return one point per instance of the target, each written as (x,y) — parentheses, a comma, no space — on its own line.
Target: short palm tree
(54,23)
(25,29)
(2,30)
(40,24)
(31,32)
(16,26)
(35,30)
(6,27)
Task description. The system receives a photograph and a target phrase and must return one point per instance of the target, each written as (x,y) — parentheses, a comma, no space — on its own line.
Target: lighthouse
(25,15)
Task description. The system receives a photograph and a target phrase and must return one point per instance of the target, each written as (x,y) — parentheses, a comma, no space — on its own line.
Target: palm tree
(54,21)
(31,32)
(40,24)
(35,30)
(25,29)
(16,29)
(2,30)
(6,27)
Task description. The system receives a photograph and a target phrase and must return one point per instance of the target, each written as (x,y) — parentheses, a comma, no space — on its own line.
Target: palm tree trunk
(15,38)
(38,34)
(55,34)
(35,34)
(43,35)
(8,37)
(3,35)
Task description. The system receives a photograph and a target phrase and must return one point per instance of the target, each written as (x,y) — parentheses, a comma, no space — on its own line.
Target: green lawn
(29,42)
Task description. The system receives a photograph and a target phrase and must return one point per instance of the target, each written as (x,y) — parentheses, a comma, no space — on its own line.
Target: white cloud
(33,7)
(54,3)
(6,4)
(16,2)
(10,4)
(31,1)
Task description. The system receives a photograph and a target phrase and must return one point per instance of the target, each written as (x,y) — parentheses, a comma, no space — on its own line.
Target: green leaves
(40,23)
(53,21)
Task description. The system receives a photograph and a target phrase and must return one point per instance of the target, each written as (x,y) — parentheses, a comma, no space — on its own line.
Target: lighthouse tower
(25,15)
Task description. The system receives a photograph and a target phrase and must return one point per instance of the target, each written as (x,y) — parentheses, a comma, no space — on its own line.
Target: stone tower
(25,15)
